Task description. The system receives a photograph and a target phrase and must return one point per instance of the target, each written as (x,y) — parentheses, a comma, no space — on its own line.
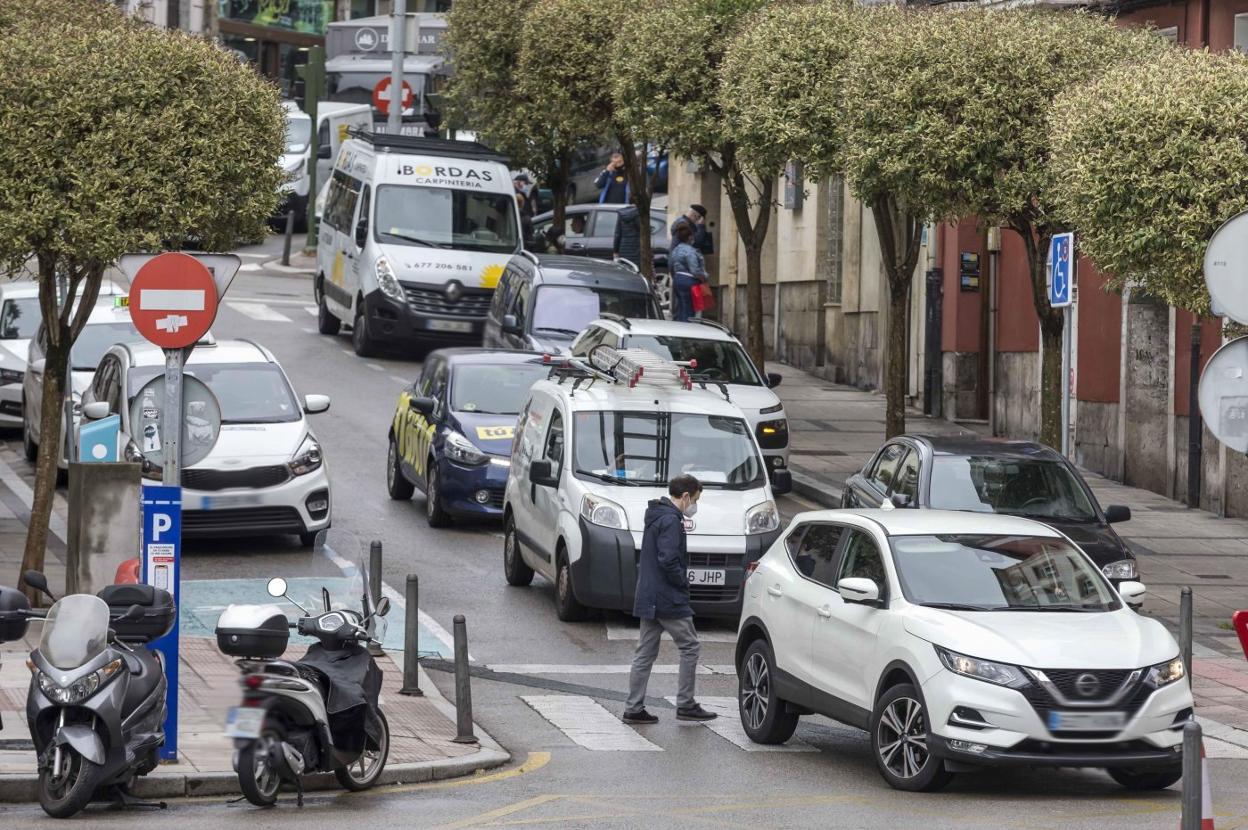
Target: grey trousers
(686,639)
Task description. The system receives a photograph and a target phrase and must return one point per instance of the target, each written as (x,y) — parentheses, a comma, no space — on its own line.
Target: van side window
(344,192)
(554,443)
(361,225)
(521,302)
(499,302)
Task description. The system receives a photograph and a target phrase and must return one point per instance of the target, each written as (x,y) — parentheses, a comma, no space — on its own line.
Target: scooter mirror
(277,587)
(39,582)
(383,606)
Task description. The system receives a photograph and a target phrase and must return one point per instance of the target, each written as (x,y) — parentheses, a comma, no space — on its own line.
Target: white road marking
(10,478)
(400,381)
(588,724)
(274,301)
(311,309)
(728,726)
(258,311)
(375,367)
(307,330)
(619,631)
(618,668)
(346,351)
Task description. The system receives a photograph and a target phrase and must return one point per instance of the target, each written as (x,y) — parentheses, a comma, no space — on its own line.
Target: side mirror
(39,365)
(511,325)
(1132,593)
(95,411)
(324,151)
(383,606)
(423,404)
(1117,513)
(773,379)
(313,404)
(901,500)
(133,614)
(541,473)
(781,481)
(277,587)
(361,235)
(36,580)
(859,590)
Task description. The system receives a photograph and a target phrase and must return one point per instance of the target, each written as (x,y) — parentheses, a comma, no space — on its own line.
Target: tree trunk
(1036,242)
(559,195)
(755,343)
(639,191)
(900,234)
(752,232)
(52,398)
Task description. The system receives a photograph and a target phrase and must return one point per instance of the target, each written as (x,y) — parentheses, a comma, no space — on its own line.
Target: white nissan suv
(958,641)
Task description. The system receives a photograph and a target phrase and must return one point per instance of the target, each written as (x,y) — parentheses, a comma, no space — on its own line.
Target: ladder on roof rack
(632,367)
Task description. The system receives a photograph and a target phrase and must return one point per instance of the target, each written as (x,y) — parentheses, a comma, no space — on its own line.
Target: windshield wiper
(556,329)
(613,479)
(960,606)
(1074,609)
(414,239)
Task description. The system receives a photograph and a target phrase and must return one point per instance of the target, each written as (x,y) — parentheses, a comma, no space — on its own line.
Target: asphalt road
(690,777)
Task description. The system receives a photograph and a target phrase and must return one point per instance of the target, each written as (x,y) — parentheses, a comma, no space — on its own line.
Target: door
(793,592)
(360,229)
(415,435)
(601,238)
(844,642)
(32,384)
(548,500)
(576,233)
(871,487)
(520,309)
(491,335)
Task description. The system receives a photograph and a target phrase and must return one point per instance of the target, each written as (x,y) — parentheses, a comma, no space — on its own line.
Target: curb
(825,495)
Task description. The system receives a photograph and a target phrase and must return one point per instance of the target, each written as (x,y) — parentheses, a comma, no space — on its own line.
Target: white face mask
(690,510)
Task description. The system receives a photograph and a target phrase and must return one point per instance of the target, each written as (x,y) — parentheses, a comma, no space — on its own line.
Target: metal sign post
(398,50)
(1062,295)
(1223,390)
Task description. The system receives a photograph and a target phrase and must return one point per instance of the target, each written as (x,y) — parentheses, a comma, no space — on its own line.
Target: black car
(589,230)
(991,475)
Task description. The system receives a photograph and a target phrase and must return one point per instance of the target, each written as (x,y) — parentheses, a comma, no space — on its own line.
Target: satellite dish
(1226,268)
(1223,394)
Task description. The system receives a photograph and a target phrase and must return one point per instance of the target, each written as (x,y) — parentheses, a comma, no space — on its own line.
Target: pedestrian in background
(662,602)
(627,242)
(612,183)
(688,269)
(695,218)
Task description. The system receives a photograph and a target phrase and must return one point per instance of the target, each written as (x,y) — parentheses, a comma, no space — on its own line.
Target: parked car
(958,641)
(992,475)
(452,430)
(589,230)
(721,359)
(542,303)
(265,474)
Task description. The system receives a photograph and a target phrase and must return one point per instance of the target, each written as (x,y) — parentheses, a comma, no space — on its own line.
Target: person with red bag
(688,273)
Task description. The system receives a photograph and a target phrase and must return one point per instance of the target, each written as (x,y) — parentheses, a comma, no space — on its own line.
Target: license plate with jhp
(707,576)
(244,722)
(450,325)
(1087,721)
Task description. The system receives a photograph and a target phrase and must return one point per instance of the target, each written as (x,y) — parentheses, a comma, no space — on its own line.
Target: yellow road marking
(501,812)
(534,762)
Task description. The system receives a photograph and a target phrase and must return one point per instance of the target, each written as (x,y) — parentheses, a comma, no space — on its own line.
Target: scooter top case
(13,622)
(158,611)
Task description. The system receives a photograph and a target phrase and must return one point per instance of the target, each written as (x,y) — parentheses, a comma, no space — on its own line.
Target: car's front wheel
(901,741)
(435,514)
(397,485)
(326,322)
(567,607)
(1146,779)
(516,570)
(361,340)
(764,716)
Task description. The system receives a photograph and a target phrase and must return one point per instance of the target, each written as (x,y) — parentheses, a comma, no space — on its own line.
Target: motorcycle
(96,705)
(316,714)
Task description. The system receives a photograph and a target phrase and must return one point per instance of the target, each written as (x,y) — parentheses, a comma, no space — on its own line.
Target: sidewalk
(835,429)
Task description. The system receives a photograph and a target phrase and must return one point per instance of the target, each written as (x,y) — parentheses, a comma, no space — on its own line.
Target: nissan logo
(1087,685)
(452,290)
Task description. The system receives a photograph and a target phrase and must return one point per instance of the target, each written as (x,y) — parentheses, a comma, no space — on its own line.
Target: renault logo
(453,290)
(1087,685)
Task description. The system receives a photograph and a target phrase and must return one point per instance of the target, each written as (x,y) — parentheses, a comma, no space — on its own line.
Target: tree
(1148,160)
(670,95)
(119,137)
(950,117)
(484,94)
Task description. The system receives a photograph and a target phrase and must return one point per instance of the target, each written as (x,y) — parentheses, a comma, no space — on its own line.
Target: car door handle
(576,246)
(824,612)
(775,591)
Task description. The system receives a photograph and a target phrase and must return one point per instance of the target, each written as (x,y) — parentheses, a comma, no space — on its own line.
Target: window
(906,482)
(1171,33)
(862,560)
(446,217)
(570,308)
(886,466)
(814,555)
(494,390)
(553,451)
(521,305)
(298,133)
(426,385)
(576,226)
(1037,488)
(344,191)
(503,294)
(361,225)
(833,195)
(605,222)
(19,319)
(1241,33)
(95,340)
(719,360)
(249,393)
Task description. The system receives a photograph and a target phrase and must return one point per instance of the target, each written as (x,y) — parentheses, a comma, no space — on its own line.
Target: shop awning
(412,64)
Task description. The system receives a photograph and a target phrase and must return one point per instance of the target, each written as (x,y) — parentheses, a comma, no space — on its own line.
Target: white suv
(958,641)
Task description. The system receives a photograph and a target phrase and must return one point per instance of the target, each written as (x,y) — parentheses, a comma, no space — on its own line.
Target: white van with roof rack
(414,236)
(595,443)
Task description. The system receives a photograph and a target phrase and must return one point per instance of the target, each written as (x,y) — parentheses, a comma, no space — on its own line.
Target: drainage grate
(1211,576)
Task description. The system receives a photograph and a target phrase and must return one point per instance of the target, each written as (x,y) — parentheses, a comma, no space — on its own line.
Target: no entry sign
(382,97)
(173,300)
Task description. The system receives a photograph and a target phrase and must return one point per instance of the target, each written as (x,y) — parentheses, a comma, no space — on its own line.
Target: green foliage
(122,137)
(1148,161)
(782,87)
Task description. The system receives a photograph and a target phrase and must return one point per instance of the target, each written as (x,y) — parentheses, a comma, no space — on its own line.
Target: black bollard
(411,636)
(290,232)
(463,686)
(1185,631)
(1190,800)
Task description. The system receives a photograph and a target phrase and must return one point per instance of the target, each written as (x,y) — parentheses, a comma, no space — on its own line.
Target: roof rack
(530,256)
(427,146)
(711,323)
(632,367)
(629,264)
(616,318)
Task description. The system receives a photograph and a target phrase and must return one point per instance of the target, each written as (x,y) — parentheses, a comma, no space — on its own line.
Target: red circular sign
(173,300)
(381,96)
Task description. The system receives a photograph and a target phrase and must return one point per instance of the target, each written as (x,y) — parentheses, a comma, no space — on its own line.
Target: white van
(414,236)
(599,440)
(333,120)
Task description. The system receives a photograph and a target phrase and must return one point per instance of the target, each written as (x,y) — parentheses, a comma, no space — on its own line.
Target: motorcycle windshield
(76,630)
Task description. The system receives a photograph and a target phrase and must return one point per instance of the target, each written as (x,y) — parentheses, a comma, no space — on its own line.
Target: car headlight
(1002,674)
(1122,569)
(80,689)
(387,281)
(1163,674)
(307,458)
(11,376)
(458,448)
(762,518)
(603,512)
(771,409)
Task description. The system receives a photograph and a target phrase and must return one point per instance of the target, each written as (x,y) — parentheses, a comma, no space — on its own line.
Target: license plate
(227,502)
(707,576)
(1087,721)
(449,325)
(244,722)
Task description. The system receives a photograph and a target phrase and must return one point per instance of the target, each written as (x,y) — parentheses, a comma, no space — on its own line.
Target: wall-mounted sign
(968,271)
(311,16)
(794,185)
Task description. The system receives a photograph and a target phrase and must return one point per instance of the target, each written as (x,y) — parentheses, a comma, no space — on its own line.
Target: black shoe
(640,716)
(695,712)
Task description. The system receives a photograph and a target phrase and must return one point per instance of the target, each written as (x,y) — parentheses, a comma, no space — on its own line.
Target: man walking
(662,602)
(695,218)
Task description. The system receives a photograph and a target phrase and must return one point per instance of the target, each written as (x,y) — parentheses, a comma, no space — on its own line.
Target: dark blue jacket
(662,575)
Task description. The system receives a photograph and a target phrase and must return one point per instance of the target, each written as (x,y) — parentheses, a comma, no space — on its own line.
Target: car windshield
(1036,488)
(567,309)
(248,393)
(19,320)
(445,217)
(298,134)
(75,631)
(97,338)
(494,390)
(720,360)
(651,448)
(999,573)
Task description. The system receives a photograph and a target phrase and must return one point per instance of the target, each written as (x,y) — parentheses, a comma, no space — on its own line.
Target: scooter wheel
(258,775)
(67,790)
(366,770)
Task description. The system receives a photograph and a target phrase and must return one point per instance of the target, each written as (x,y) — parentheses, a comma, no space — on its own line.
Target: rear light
(253,681)
(750,567)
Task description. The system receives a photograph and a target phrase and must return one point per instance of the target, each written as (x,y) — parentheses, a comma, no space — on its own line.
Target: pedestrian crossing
(258,311)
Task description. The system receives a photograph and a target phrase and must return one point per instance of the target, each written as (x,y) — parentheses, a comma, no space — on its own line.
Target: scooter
(316,714)
(96,705)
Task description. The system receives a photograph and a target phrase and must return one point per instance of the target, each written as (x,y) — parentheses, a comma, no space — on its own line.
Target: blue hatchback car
(452,430)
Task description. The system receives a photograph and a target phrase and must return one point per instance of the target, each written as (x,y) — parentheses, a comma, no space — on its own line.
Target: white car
(266,474)
(958,641)
(721,359)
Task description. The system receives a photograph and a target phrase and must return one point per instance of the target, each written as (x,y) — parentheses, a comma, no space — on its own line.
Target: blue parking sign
(162,560)
(1062,270)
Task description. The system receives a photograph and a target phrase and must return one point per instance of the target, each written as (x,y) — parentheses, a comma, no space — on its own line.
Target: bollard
(1185,631)
(411,636)
(290,232)
(1190,816)
(463,686)
(374,584)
